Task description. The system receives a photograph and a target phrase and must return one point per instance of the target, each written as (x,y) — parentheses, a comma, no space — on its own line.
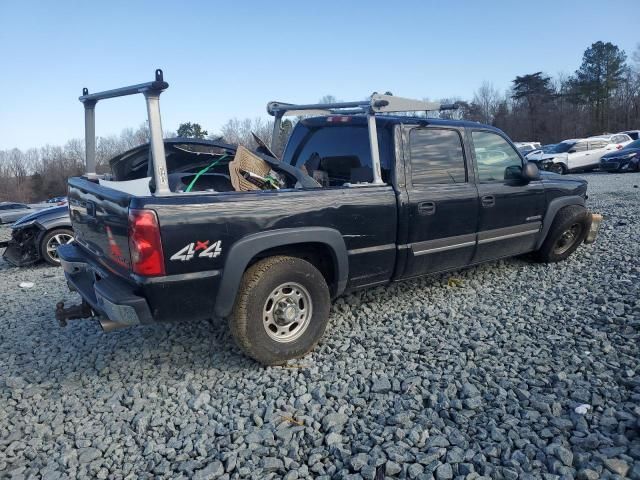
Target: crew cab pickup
(367,199)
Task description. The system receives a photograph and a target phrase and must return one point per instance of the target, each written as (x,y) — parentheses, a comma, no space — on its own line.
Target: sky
(228,59)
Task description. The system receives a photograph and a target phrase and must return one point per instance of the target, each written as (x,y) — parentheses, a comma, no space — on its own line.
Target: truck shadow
(146,354)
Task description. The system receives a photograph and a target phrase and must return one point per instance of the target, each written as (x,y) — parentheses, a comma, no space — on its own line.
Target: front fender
(243,251)
(552,209)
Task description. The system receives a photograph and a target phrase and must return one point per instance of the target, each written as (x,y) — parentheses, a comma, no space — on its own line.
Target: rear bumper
(107,294)
(139,300)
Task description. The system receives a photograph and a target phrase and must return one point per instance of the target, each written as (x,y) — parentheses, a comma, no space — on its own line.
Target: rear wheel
(569,229)
(281,310)
(50,243)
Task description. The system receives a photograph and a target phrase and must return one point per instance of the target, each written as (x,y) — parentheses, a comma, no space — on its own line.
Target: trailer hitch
(74,312)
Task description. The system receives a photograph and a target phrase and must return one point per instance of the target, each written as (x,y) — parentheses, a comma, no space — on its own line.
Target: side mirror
(530,172)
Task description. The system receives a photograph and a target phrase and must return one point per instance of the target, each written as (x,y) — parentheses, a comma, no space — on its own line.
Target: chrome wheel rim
(54,242)
(568,239)
(287,312)
(556,168)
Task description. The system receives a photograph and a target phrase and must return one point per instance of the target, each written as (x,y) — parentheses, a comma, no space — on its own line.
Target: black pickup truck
(366,199)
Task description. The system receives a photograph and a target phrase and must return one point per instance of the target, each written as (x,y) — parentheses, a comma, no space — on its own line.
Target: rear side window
(597,144)
(341,154)
(496,159)
(436,156)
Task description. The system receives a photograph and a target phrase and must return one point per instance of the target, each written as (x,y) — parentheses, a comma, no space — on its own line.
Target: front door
(579,156)
(511,209)
(443,204)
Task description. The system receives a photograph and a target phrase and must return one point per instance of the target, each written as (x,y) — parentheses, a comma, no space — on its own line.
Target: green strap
(204,170)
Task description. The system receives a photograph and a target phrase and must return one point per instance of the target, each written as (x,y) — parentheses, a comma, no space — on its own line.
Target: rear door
(510,209)
(443,202)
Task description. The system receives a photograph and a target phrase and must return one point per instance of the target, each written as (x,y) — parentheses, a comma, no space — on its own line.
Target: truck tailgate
(99,216)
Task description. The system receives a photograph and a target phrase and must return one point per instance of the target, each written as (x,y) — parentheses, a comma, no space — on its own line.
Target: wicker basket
(246,161)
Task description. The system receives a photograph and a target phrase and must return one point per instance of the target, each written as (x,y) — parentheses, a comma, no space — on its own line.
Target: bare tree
(487,97)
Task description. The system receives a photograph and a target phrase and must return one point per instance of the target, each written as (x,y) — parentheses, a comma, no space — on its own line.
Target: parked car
(37,236)
(358,200)
(11,211)
(58,200)
(634,134)
(542,149)
(614,141)
(526,147)
(571,155)
(624,160)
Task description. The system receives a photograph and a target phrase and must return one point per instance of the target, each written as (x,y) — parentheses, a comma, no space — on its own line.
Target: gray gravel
(471,374)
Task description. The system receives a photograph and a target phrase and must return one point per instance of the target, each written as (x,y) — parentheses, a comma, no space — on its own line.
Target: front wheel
(281,310)
(558,168)
(568,231)
(50,243)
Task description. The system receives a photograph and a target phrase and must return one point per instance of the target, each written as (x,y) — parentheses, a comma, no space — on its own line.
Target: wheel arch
(553,208)
(286,241)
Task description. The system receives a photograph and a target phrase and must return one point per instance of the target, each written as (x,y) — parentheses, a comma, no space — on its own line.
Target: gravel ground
(476,373)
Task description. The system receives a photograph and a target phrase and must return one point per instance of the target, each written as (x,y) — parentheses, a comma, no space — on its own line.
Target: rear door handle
(488,201)
(427,208)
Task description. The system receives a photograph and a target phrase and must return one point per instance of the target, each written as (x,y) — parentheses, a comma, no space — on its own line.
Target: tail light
(144,243)
(618,147)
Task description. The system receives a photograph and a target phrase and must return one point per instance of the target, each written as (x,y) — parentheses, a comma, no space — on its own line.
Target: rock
(472,403)
(333,439)
(444,472)
(88,455)
(213,470)
(334,422)
(392,468)
(587,474)
(201,400)
(358,461)
(564,455)
(16,383)
(415,470)
(617,466)
(381,385)
(272,464)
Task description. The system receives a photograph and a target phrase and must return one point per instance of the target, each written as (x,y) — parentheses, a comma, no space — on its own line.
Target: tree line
(602,95)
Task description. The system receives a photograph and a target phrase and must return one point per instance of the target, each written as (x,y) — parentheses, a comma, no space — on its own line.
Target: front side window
(496,159)
(436,156)
(579,147)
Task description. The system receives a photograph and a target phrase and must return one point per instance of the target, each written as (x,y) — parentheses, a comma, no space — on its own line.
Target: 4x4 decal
(205,249)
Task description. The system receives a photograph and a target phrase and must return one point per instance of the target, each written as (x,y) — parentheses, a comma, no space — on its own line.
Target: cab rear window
(338,154)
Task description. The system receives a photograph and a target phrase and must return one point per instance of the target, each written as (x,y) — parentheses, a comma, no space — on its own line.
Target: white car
(578,154)
(615,141)
(527,147)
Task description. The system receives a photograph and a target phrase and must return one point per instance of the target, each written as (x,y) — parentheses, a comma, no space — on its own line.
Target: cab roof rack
(377,103)
(151,91)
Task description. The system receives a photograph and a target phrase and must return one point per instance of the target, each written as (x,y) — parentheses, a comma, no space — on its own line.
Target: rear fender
(243,251)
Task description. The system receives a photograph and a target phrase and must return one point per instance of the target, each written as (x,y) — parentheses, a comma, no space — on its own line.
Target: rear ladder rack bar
(377,103)
(151,92)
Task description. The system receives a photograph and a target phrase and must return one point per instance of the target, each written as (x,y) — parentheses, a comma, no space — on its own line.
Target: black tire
(568,231)
(264,306)
(50,238)
(558,168)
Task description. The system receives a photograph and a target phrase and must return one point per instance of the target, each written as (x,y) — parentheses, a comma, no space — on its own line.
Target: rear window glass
(341,154)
